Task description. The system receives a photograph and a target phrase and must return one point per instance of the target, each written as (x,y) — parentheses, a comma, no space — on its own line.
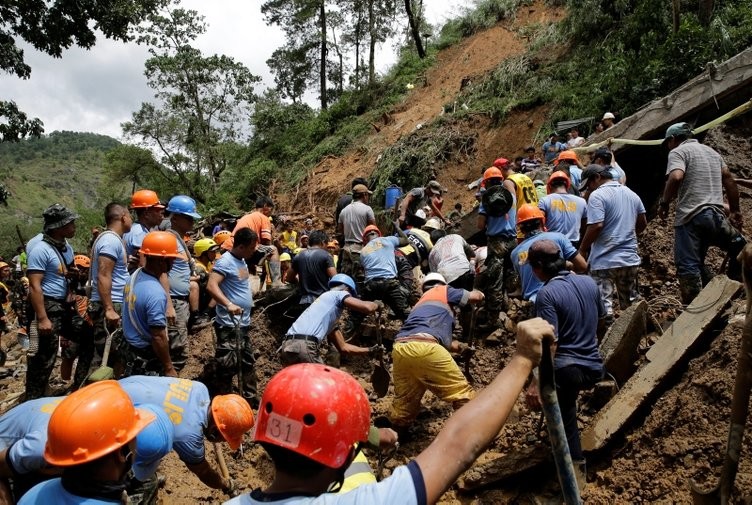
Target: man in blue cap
(699,176)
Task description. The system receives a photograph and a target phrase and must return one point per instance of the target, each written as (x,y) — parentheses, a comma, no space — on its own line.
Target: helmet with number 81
(315,411)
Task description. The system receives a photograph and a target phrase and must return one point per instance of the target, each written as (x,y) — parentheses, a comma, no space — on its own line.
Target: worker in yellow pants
(421,354)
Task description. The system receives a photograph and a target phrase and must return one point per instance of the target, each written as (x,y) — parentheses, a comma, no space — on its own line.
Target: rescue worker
(288,239)
(258,221)
(50,270)
(564,212)
(415,254)
(520,185)
(532,221)
(145,346)
(149,213)
(205,253)
(284,263)
(569,163)
(220,238)
(82,326)
(182,278)
(318,322)
(353,219)
(316,460)
(311,270)
(380,268)
(573,306)
(421,353)
(501,233)
(91,434)
(416,199)
(346,200)
(195,418)
(228,285)
(109,275)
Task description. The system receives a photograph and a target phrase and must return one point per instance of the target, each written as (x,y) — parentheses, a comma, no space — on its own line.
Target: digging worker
(145,347)
(228,285)
(92,435)
(195,417)
(520,185)
(699,176)
(149,213)
(380,267)
(564,212)
(416,199)
(302,342)
(309,465)
(501,233)
(346,200)
(353,219)
(531,222)
(258,221)
(421,353)
(312,269)
(109,275)
(50,268)
(183,214)
(573,305)
(615,216)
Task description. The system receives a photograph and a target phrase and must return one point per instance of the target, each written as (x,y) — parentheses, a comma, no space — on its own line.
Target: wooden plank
(619,346)
(718,81)
(669,351)
(505,467)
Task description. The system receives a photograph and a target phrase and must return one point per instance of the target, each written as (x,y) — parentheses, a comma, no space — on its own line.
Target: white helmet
(608,115)
(432,279)
(433,223)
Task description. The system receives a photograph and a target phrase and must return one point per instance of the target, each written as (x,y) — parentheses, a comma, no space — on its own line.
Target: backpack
(497,200)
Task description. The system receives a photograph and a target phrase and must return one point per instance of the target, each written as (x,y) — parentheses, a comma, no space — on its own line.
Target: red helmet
(370,228)
(315,411)
(528,212)
(501,163)
(559,174)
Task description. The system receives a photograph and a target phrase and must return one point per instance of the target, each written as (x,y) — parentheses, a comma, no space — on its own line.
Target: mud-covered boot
(689,287)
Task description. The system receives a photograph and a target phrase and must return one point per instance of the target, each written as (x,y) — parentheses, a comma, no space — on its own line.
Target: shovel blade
(380,380)
(102,373)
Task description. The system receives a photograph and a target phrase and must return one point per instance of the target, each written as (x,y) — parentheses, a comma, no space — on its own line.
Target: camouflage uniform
(226,358)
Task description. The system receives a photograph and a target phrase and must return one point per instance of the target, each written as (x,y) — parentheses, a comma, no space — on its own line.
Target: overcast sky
(97,90)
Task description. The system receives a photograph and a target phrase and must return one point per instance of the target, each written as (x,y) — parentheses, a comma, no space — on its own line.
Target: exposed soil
(678,438)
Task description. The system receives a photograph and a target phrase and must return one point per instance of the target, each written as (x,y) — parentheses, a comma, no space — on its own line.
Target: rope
(745,107)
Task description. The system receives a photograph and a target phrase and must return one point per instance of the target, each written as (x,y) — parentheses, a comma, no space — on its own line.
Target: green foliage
(484,14)
(64,167)
(15,125)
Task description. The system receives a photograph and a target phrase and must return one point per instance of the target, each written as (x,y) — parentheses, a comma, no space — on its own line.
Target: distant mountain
(63,167)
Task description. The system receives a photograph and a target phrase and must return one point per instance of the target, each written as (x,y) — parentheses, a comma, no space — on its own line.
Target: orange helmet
(492,173)
(233,417)
(160,243)
(528,212)
(82,261)
(558,175)
(370,228)
(315,411)
(92,422)
(144,198)
(501,163)
(566,155)
(221,236)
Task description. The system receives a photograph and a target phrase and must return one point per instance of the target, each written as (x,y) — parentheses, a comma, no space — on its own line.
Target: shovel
(721,493)
(555,425)
(380,377)
(104,372)
(238,352)
(471,344)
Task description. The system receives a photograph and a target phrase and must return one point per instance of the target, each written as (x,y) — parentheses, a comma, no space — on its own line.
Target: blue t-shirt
(377,258)
(185,402)
(145,307)
(433,314)
(235,287)
(502,226)
(134,238)
(52,491)
(575,175)
(180,274)
(33,241)
(405,486)
(45,259)
(321,317)
(530,283)
(23,431)
(617,207)
(551,150)
(572,304)
(110,245)
(564,213)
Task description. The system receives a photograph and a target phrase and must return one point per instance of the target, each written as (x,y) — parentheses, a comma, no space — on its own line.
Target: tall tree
(303,21)
(53,26)
(415,28)
(204,104)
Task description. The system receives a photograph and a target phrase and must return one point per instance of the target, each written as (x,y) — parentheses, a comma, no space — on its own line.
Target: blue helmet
(153,443)
(181,204)
(340,279)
